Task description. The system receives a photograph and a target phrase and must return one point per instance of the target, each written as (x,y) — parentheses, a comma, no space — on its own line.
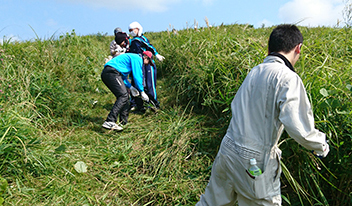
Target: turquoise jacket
(129,63)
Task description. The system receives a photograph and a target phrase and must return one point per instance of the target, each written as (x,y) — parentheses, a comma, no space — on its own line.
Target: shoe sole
(109,128)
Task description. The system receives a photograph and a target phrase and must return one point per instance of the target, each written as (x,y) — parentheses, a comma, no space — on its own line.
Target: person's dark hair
(120,37)
(284,38)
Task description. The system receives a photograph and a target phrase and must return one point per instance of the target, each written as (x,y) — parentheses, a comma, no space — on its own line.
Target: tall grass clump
(207,65)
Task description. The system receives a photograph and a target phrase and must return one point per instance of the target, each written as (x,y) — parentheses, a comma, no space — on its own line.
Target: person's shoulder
(133,55)
(140,38)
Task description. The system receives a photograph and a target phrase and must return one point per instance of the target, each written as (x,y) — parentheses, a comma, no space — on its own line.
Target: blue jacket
(140,44)
(127,63)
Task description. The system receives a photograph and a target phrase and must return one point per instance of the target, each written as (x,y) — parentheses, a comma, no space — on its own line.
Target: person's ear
(298,48)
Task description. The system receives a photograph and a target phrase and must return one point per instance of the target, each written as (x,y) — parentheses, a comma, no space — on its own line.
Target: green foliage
(52,105)
(207,66)
(3,188)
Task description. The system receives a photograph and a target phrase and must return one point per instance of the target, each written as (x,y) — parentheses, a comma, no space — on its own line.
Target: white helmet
(134,25)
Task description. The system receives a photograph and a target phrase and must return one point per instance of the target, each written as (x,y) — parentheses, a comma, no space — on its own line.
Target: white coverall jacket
(271,98)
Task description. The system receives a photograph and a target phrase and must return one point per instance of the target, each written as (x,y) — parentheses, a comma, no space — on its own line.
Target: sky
(23,20)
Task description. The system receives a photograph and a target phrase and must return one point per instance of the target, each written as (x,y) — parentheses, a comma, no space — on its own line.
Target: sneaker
(112,126)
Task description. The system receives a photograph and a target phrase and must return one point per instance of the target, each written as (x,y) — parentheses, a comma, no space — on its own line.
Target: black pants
(113,80)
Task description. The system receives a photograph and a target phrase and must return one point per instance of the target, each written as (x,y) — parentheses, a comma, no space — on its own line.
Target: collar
(287,63)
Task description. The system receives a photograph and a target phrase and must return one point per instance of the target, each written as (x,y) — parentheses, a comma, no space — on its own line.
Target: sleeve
(127,83)
(297,116)
(137,73)
(112,48)
(142,42)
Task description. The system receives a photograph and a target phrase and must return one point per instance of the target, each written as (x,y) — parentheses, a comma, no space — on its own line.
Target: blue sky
(25,19)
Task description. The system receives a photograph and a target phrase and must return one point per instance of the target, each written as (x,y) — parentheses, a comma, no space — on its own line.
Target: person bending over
(115,77)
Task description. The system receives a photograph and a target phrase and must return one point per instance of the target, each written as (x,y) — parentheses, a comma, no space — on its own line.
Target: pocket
(261,185)
(266,184)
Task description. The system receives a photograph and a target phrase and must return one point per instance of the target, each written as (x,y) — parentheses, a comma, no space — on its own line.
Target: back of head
(284,38)
(134,25)
(117,30)
(121,37)
(150,56)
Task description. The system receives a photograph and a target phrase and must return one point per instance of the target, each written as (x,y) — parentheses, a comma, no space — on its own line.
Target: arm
(297,116)
(116,50)
(142,42)
(137,73)
(113,47)
(127,83)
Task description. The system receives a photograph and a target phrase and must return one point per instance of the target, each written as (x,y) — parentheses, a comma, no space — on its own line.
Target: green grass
(53,103)
(123,168)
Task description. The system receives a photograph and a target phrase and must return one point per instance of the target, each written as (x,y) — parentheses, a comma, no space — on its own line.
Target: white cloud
(312,12)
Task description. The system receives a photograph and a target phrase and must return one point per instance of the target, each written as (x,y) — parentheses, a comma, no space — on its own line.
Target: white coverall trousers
(229,181)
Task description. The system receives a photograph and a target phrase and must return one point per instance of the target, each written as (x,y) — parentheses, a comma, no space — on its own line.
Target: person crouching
(114,76)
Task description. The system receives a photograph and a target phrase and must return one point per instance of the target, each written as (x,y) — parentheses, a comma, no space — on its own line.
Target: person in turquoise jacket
(115,77)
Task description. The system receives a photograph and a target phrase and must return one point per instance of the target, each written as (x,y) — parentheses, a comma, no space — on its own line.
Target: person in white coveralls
(271,98)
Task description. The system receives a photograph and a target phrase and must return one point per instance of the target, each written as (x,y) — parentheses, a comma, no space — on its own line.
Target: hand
(134,91)
(159,57)
(144,97)
(122,50)
(325,153)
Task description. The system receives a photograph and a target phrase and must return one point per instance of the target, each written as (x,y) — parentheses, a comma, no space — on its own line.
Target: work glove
(134,91)
(159,57)
(325,152)
(122,50)
(144,97)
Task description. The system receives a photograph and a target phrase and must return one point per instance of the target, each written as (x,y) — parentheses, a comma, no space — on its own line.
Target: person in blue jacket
(138,44)
(115,77)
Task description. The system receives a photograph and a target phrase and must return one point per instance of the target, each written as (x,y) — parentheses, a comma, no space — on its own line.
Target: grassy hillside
(52,105)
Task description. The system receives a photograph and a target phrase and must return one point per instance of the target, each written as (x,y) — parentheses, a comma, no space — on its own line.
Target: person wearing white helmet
(138,44)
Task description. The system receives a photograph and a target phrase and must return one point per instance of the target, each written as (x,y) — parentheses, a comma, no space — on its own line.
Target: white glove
(144,97)
(134,91)
(122,50)
(325,152)
(159,57)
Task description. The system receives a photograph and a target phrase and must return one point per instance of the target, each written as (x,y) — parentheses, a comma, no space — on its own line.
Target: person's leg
(219,190)
(113,80)
(151,84)
(124,113)
(119,106)
(272,201)
(133,99)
